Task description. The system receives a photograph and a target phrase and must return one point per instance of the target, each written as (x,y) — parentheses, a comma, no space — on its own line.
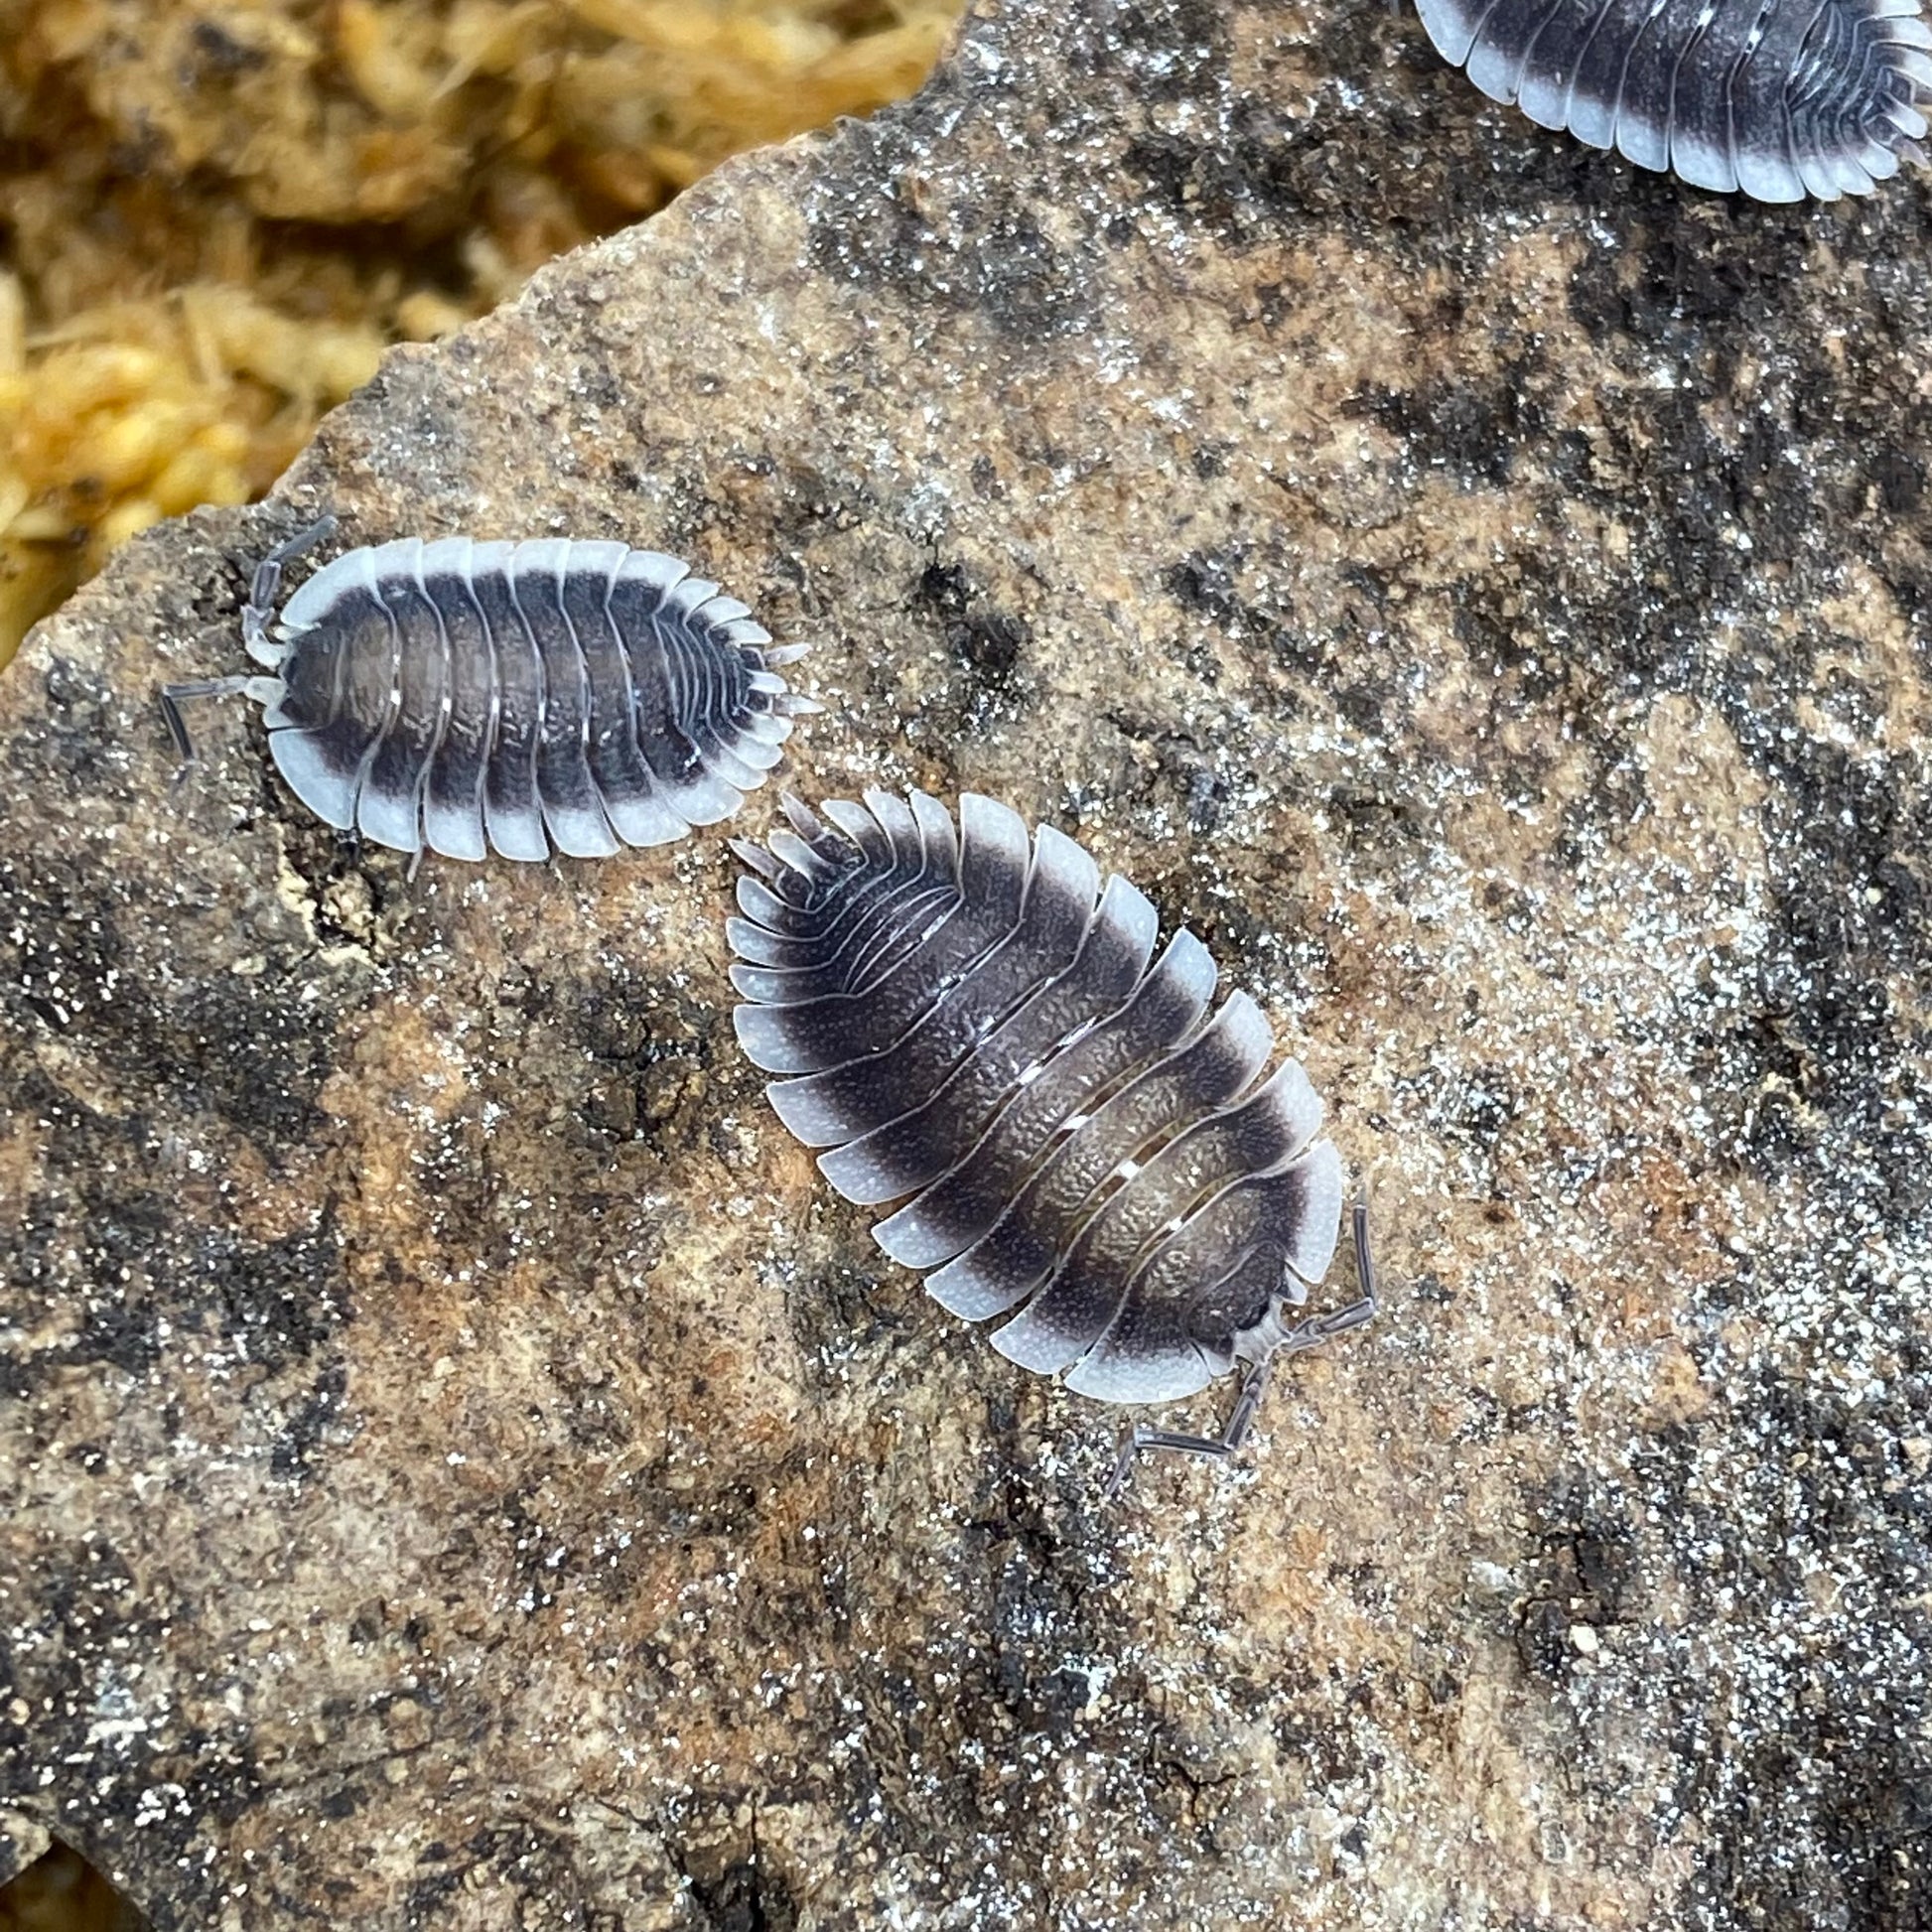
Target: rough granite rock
(460,1468)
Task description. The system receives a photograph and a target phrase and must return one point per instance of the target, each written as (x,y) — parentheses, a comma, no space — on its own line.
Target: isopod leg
(1141,1436)
(260,606)
(1311,1334)
(204,687)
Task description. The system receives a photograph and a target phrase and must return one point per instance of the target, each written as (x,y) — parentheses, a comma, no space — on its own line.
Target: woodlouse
(455,692)
(970,1026)
(1778,97)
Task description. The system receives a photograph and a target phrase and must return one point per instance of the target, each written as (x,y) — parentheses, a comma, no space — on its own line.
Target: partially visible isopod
(969,1023)
(1782,98)
(455,693)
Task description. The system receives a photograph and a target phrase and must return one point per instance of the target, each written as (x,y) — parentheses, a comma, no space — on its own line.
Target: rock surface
(460,1470)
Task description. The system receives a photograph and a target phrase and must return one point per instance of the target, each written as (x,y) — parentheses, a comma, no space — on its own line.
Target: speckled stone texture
(461,1467)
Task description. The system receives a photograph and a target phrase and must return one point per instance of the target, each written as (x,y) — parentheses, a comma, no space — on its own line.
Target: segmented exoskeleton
(974,1026)
(458,694)
(1782,98)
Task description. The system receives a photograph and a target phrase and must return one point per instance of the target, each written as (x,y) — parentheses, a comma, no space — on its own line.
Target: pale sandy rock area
(459,1466)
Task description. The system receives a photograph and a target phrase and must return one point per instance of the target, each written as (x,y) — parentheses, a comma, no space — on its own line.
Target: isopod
(1782,98)
(968,1024)
(457,693)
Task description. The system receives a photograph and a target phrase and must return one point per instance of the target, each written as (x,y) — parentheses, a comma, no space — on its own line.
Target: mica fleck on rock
(457,1467)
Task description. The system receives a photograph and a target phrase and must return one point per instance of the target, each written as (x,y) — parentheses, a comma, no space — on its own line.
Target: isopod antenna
(1311,1334)
(255,615)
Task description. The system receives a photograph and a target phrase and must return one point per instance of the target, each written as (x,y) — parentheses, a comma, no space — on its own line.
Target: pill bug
(1778,97)
(456,693)
(969,1025)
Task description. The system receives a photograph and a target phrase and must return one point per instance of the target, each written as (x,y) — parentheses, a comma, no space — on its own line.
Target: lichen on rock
(462,1464)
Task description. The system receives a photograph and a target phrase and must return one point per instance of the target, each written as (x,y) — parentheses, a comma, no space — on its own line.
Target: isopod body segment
(1782,99)
(462,695)
(974,1026)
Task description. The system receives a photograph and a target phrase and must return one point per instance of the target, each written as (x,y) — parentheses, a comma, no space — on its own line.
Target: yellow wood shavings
(61,1893)
(221,210)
